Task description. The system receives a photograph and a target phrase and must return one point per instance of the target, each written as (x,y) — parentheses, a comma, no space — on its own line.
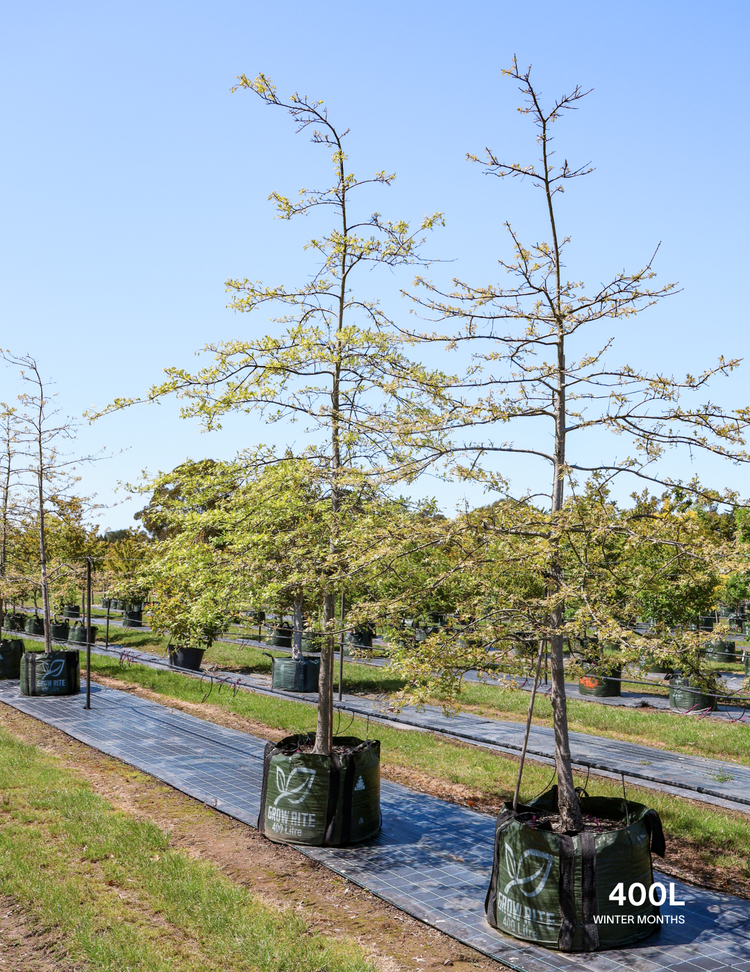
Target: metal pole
(341,652)
(88,632)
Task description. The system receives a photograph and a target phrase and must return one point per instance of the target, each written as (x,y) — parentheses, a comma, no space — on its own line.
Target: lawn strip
(122,898)
(277,873)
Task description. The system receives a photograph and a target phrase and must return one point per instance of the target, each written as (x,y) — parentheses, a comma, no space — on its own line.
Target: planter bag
(320,800)
(14,622)
(295,675)
(71,611)
(720,651)
(547,888)
(281,638)
(59,632)
(683,697)
(78,633)
(360,638)
(132,619)
(656,666)
(596,684)
(34,625)
(10,658)
(52,673)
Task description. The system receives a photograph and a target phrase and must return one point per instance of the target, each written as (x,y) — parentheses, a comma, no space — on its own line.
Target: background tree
(47,473)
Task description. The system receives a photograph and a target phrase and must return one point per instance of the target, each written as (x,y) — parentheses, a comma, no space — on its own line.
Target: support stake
(542,647)
(88,632)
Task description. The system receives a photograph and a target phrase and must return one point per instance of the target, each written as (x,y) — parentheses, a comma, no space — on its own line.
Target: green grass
(414,756)
(121,899)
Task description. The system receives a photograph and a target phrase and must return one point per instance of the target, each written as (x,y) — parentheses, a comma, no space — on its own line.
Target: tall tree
(539,362)
(335,360)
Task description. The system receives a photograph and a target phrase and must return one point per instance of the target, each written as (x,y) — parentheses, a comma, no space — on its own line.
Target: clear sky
(134,184)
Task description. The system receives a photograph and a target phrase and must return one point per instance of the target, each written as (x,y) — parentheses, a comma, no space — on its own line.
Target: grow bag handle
(652,823)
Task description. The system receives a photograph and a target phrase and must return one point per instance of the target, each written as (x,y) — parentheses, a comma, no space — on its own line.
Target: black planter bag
(132,618)
(59,630)
(294,674)
(320,800)
(547,888)
(10,658)
(50,673)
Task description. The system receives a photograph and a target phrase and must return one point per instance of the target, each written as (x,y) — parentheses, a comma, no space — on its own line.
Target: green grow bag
(295,674)
(59,630)
(593,682)
(684,697)
(15,622)
(77,634)
(721,651)
(360,637)
(34,625)
(656,666)
(328,801)
(10,658)
(281,638)
(71,611)
(312,641)
(547,888)
(52,673)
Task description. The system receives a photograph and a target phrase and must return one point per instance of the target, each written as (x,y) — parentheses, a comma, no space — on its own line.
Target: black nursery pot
(10,658)
(51,673)
(295,674)
(547,887)
(189,658)
(319,801)
(71,611)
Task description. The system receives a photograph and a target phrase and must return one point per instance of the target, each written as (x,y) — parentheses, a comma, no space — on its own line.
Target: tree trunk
(297,629)
(43,564)
(324,730)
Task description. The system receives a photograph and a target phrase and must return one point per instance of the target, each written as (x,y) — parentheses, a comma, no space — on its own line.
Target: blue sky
(135,184)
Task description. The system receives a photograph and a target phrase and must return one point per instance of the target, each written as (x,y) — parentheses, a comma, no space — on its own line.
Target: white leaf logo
(539,876)
(294,794)
(54,668)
